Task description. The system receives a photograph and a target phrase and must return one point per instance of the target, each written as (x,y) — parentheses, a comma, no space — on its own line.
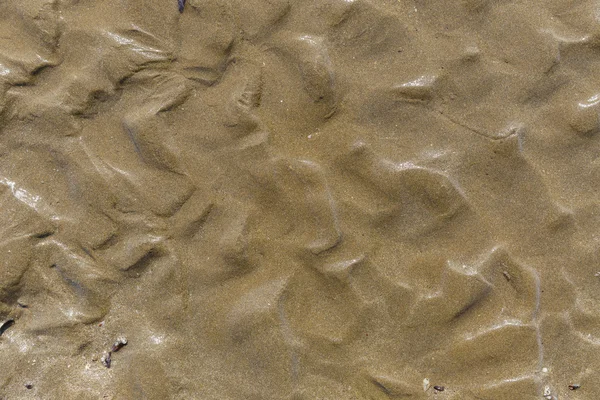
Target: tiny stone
(425,384)
(574,387)
(118,344)
(548,393)
(439,388)
(29,385)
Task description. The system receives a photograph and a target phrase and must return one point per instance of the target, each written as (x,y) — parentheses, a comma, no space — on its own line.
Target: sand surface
(299,199)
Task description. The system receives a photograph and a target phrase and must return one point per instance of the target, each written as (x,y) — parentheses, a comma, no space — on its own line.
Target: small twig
(106,359)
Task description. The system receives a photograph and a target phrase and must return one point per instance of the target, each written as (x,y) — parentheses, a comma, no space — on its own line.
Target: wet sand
(308,199)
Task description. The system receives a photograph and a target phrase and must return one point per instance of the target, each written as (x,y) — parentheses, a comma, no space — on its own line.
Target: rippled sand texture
(307,199)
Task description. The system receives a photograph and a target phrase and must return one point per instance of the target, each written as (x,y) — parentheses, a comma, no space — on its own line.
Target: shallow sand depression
(299,199)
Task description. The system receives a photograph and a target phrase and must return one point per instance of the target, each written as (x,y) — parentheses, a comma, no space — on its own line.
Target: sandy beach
(299,199)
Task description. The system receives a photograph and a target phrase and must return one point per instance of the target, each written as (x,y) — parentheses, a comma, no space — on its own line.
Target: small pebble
(425,384)
(29,385)
(439,388)
(118,345)
(5,325)
(574,387)
(548,393)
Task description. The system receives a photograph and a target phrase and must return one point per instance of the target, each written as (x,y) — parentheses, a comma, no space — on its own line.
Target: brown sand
(299,199)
